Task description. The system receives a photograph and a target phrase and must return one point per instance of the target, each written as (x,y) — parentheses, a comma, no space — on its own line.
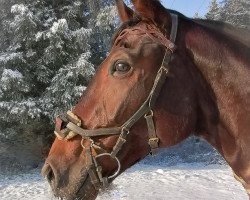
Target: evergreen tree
(47,56)
(102,22)
(214,12)
(236,12)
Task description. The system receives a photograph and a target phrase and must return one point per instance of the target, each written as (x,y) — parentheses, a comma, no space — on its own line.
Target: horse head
(143,96)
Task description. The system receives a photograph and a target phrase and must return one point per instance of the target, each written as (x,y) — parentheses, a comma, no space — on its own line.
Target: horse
(166,77)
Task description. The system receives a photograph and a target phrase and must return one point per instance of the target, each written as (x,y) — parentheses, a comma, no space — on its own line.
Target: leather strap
(73,118)
(73,127)
(174,27)
(151,32)
(95,132)
(91,169)
(121,140)
(146,106)
(153,139)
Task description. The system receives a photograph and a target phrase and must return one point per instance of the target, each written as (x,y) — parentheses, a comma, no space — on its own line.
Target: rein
(70,126)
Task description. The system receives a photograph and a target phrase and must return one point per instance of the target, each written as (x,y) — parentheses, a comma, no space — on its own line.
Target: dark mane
(239,34)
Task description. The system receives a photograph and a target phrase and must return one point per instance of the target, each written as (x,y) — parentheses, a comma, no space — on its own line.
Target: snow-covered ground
(147,182)
(191,170)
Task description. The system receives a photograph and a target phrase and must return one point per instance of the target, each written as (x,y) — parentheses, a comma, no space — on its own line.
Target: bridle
(69,126)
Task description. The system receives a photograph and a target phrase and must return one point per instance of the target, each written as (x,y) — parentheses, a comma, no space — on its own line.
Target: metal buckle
(171,47)
(114,158)
(153,143)
(163,68)
(125,131)
(149,114)
(90,145)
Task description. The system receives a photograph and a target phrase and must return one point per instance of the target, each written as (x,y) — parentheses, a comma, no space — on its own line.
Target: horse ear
(154,11)
(124,11)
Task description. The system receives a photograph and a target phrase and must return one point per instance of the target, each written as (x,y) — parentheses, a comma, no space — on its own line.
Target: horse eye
(120,68)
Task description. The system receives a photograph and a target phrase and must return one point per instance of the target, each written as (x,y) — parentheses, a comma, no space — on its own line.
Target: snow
(19,8)
(60,26)
(8,73)
(186,181)
(6,57)
(143,181)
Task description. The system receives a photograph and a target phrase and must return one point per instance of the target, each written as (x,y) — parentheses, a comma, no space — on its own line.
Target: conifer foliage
(48,50)
(235,12)
(214,11)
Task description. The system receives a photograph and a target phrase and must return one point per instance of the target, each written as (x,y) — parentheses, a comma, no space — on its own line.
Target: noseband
(70,126)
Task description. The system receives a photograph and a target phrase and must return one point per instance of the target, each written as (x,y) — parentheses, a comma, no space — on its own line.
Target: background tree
(235,12)
(48,51)
(214,12)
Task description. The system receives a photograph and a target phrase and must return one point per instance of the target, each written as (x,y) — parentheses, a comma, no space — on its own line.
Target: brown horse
(183,76)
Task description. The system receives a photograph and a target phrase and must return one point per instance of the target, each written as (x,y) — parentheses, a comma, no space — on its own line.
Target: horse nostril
(48,173)
(50,176)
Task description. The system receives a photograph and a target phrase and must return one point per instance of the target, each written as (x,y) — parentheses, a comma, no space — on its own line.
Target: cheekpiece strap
(153,139)
(70,125)
(174,27)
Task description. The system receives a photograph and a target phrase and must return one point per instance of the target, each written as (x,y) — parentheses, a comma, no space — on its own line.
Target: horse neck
(223,66)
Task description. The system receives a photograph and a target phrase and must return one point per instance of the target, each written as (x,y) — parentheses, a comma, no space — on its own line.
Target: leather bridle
(69,126)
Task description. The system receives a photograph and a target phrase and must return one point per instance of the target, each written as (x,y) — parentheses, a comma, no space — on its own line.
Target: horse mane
(241,35)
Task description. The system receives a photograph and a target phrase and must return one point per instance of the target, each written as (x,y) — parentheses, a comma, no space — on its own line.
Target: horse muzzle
(69,186)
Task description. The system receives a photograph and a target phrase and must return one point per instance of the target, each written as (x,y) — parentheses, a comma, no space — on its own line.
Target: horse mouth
(81,190)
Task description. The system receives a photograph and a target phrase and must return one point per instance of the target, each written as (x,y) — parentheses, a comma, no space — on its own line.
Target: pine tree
(102,22)
(47,57)
(236,12)
(214,12)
